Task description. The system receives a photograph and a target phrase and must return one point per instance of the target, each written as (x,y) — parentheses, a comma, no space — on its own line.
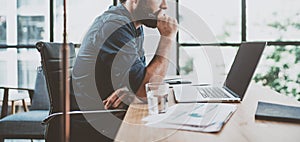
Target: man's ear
(135,3)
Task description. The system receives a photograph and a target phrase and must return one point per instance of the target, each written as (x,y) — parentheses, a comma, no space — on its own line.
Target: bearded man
(111,55)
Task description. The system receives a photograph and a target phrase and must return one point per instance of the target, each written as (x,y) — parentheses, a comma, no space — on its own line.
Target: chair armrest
(30,91)
(51,116)
(16,88)
(5,98)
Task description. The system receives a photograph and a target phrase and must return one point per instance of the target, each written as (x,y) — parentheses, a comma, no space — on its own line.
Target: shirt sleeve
(120,52)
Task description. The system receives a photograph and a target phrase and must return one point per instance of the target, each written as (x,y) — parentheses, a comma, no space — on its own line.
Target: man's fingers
(167,26)
(160,14)
(110,101)
(116,98)
(114,95)
(163,18)
(118,101)
(104,102)
(107,104)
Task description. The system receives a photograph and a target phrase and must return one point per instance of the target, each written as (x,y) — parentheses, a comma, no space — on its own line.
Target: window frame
(222,44)
(178,45)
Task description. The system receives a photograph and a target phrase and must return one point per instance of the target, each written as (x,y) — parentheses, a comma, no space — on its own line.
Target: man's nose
(163,5)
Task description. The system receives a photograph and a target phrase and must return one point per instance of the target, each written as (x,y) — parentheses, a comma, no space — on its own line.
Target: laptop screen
(243,67)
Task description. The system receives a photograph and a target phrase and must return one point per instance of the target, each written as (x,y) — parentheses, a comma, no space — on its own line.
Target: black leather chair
(28,125)
(81,129)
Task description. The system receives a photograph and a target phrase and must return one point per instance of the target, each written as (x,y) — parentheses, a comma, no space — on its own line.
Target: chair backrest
(81,129)
(51,56)
(51,63)
(40,99)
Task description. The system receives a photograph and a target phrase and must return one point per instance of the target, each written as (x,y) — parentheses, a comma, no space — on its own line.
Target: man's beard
(151,21)
(146,17)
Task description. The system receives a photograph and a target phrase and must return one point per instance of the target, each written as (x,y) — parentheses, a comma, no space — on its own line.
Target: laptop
(236,83)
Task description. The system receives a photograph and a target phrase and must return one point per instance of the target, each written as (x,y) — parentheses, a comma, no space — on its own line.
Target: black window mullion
(51,20)
(243,26)
(208,44)
(115,2)
(280,43)
(177,40)
(17,46)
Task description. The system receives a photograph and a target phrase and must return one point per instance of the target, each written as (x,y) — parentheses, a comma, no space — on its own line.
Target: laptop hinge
(231,92)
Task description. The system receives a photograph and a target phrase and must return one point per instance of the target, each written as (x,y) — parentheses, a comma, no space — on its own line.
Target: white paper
(205,117)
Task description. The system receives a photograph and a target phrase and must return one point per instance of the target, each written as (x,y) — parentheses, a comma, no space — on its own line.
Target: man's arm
(157,68)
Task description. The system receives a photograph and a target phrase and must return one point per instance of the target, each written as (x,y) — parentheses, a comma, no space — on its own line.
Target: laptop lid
(243,68)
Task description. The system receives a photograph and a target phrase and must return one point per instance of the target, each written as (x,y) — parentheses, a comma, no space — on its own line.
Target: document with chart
(204,117)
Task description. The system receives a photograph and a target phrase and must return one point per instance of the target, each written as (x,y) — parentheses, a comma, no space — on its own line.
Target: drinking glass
(157,97)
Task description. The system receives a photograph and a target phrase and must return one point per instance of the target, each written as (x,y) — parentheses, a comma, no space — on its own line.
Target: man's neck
(130,9)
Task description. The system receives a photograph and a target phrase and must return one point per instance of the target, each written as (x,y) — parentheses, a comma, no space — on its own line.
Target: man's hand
(119,99)
(167,26)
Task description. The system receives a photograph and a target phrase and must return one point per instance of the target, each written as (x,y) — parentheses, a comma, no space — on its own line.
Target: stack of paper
(204,117)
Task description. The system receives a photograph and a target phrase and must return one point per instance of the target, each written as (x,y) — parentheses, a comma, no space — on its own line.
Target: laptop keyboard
(212,92)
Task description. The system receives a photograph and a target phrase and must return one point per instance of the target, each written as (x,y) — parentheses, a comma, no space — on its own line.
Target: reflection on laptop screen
(243,67)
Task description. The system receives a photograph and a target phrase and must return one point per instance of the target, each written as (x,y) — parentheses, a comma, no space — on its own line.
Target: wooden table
(242,126)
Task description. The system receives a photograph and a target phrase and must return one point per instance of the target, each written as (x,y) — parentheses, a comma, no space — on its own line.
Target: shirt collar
(125,11)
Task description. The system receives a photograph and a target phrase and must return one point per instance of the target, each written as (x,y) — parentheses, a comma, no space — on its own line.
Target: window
(80,17)
(2,29)
(27,62)
(228,23)
(276,20)
(25,22)
(32,18)
(201,22)
(205,22)
(220,18)
(3,22)
(22,23)
(30,29)
(196,63)
(279,69)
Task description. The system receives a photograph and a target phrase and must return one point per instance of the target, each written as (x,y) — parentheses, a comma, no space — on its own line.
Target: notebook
(277,112)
